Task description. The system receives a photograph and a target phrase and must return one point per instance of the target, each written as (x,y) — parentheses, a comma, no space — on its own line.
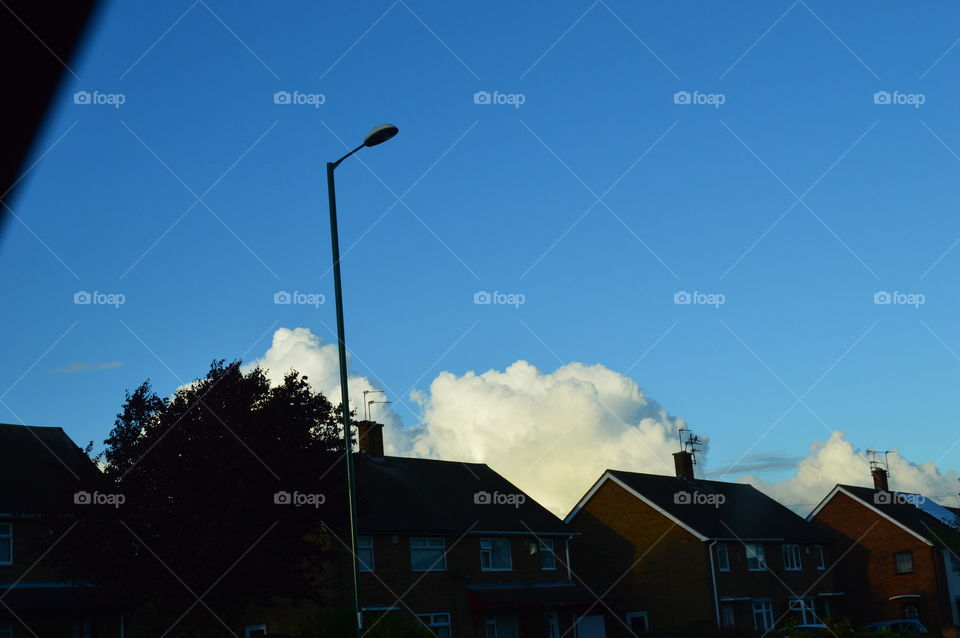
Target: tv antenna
(875,461)
(366,404)
(689,442)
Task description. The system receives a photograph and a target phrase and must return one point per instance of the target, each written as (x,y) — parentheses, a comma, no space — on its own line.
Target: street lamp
(377,135)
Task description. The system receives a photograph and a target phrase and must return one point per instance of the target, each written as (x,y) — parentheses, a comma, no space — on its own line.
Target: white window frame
(804,606)
(792,560)
(487,550)
(821,560)
(251,628)
(365,543)
(429,543)
(764,607)
(545,547)
(896,563)
(437,619)
(6,535)
(490,622)
(639,614)
(723,557)
(759,555)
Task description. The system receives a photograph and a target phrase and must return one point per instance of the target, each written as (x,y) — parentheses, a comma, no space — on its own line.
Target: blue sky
(598,199)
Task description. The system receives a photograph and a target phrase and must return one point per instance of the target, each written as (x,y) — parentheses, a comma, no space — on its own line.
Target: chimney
(880,479)
(370,438)
(683,463)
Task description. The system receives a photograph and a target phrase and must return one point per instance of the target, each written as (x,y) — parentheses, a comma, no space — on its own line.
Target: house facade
(41,467)
(676,555)
(899,554)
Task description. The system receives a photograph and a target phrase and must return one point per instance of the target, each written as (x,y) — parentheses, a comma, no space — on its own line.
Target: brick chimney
(683,464)
(370,438)
(880,479)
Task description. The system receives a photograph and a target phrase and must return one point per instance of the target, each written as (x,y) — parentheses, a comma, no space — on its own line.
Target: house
(899,554)
(41,468)
(454,547)
(680,555)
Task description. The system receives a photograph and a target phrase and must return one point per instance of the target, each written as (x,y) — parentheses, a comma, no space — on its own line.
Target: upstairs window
(723,557)
(6,546)
(495,554)
(903,562)
(756,557)
(791,558)
(365,553)
(818,554)
(763,615)
(428,554)
(548,560)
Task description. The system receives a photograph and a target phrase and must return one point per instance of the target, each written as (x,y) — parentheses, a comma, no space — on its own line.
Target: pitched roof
(917,514)
(39,466)
(398,495)
(713,510)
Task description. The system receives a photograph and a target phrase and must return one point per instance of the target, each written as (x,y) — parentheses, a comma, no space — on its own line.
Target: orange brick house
(899,554)
(40,467)
(681,555)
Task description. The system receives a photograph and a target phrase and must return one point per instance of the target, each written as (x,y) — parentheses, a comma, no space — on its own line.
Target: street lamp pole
(376,136)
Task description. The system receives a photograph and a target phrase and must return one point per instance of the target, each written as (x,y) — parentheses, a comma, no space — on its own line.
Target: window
(6,630)
(439,624)
(552,620)
(548,560)
(6,545)
(791,558)
(762,615)
(428,555)
(501,626)
(727,617)
(818,553)
(637,622)
(802,610)
(903,562)
(954,563)
(723,557)
(756,558)
(365,553)
(82,628)
(253,631)
(911,612)
(495,554)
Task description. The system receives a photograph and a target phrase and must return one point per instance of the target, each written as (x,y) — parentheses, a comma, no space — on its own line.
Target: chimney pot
(370,438)
(683,464)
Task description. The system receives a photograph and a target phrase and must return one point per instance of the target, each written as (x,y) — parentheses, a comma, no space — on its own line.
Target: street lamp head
(380,134)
